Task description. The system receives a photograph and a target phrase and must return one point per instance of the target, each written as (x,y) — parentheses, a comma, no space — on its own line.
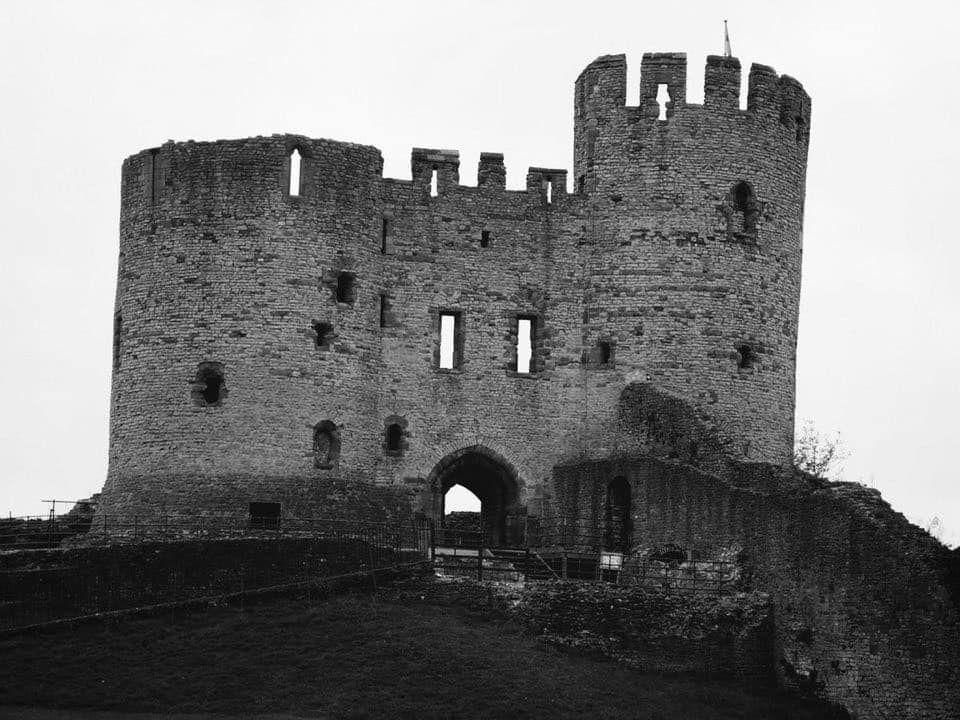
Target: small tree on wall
(817,453)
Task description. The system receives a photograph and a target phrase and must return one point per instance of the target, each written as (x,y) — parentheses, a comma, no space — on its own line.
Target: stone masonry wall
(720,636)
(642,273)
(863,608)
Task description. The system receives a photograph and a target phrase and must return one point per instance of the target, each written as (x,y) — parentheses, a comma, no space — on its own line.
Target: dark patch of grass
(353,657)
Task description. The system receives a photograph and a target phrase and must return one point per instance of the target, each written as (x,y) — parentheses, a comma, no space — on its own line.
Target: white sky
(83,85)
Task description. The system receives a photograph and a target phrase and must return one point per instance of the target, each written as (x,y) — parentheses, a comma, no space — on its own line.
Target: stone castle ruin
(297,335)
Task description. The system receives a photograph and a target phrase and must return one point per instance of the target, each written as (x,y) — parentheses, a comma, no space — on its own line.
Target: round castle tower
(279,342)
(697,226)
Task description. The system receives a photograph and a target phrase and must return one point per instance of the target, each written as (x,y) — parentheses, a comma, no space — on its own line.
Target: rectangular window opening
(606,352)
(154,175)
(265,515)
(451,349)
(385,236)
(549,191)
(485,238)
(383,310)
(295,173)
(346,288)
(525,330)
(433,183)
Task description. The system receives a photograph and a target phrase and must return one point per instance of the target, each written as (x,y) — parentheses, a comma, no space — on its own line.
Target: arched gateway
(490,477)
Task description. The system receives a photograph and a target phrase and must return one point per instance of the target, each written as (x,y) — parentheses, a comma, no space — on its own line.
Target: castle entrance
(493,482)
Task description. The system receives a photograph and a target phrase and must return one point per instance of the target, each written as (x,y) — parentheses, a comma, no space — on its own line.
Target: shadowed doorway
(491,480)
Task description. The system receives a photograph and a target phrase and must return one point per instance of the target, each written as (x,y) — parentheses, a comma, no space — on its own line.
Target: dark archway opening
(493,483)
(617,517)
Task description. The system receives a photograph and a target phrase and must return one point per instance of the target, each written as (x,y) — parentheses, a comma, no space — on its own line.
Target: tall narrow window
(549,191)
(385,236)
(484,238)
(605,352)
(346,287)
(394,439)
(526,326)
(743,211)
(295,173)
(117,332)
(618,516)
(384,309)
(154,174)
(326,444)
(451,340)
(433,183)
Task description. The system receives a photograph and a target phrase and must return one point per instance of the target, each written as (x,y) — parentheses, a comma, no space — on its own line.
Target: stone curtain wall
(864,613)
(704,634)
(728,636)
(632,276)
(44,585)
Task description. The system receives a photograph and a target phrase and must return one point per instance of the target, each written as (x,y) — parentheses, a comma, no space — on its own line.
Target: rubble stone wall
(863,607)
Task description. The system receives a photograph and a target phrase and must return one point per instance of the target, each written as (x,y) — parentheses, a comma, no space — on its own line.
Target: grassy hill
(354,656)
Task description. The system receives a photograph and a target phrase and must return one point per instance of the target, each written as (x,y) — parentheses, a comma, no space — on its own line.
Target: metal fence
(118,562)
(136,562)
(578,550)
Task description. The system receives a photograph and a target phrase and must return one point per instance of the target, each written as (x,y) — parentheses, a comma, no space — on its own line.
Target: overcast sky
(83,85)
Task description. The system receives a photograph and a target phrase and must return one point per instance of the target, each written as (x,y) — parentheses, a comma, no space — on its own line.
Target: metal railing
(582,551)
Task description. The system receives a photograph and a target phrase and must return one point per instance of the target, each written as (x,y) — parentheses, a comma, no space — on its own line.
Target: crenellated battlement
(777,109)
(603,84)
(243,167)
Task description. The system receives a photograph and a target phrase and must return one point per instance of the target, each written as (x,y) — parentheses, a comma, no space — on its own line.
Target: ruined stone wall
(641,273)
(863,609)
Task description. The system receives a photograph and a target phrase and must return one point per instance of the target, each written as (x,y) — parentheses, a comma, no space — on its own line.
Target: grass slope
(351,657)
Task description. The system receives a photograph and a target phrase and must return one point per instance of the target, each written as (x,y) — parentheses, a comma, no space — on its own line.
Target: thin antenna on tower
(726,41)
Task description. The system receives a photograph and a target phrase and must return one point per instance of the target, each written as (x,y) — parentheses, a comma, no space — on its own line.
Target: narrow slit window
(663,97)
(154,174)
(433,183)
(525,328)
(117,333)
(549,191)
(384,309)
(295,173)
(385,236)
(448,333)
(485,238)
